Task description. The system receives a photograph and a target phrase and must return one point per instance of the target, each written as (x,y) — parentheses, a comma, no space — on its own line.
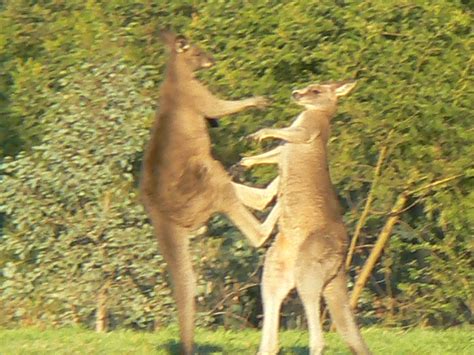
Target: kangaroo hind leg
(174,246)
(277,281)
(309,283)
(256,198)
(337,299)
(250,226)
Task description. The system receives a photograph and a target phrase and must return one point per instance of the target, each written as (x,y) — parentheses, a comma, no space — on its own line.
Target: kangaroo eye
(315,91)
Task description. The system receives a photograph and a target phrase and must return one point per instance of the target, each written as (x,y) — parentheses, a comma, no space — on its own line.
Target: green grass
(78,341)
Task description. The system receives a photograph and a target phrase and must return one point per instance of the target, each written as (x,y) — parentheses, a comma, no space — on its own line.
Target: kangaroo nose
(296,95)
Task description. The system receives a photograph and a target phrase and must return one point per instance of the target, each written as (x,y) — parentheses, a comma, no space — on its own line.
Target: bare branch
(377,250)
(368,203)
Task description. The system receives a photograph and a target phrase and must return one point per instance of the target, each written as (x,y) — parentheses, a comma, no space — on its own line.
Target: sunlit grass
(80,341)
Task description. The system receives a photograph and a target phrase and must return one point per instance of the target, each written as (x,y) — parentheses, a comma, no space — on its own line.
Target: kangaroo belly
(305,219)
(187,192)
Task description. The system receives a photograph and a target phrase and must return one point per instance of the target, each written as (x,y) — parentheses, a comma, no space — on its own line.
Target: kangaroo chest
(306,193)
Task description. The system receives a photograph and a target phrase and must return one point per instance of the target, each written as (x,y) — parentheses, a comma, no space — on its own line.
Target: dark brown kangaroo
(181,184)
(309,250)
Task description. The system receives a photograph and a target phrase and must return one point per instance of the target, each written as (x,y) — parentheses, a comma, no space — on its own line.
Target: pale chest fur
(306,192)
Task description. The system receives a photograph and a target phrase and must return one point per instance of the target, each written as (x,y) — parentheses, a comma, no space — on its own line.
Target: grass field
(78,341)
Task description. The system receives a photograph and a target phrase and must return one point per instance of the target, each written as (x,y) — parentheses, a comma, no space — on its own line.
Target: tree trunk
(101,313)
(75,315)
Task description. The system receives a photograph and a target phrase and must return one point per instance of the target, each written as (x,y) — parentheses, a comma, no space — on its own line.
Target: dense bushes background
(78,87)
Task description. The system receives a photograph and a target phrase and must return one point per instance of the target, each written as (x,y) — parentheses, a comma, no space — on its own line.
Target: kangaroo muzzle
(296,95)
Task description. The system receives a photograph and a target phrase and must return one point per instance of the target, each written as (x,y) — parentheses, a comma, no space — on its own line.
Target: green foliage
(78,84)
(76,221)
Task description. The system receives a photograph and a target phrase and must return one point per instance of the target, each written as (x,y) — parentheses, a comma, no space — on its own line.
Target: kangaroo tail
(174,246)
(337,299)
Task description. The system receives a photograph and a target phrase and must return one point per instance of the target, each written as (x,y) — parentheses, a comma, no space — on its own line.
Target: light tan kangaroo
(309,250)
(182,185)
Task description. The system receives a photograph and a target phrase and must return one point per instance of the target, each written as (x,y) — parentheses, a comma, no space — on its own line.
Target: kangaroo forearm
(290,135)
(219,108)
(293,134)
(270,157)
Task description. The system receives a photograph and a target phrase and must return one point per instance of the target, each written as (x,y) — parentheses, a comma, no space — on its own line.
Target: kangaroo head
(193,56)
(323,95)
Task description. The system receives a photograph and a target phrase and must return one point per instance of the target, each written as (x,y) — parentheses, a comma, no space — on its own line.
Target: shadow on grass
(294,350)
(174,347)
(304,350)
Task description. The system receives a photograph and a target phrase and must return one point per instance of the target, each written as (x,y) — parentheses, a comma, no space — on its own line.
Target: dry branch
(385,234)
(368,204)
(377,250)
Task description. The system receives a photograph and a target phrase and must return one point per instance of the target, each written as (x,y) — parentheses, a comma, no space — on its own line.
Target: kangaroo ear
(181,44)
(344,87)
